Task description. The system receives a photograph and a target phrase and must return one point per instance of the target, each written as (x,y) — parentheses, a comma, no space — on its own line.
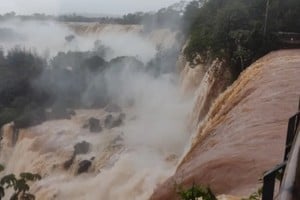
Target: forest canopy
(239,31)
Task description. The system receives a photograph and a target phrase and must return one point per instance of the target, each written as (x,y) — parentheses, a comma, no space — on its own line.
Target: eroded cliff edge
(243,134)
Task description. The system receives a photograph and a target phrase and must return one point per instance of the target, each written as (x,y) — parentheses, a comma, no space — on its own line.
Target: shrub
(194,192)
(30,117)
(255,196)
(7,115)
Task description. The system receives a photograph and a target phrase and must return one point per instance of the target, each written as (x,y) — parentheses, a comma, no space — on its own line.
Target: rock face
(67,164)
(94,125)
(244,132)
(84,166)
(205,80)
(216,79)
(108,121)
(112,122)
(81,148)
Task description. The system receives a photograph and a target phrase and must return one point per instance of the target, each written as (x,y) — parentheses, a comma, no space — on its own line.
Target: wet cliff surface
(244,133)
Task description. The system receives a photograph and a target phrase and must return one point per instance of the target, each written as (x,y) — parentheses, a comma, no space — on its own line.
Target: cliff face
(244,132)
(204,82)
(216,79)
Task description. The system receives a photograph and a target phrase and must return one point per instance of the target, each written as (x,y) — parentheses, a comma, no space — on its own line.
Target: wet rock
(70,162)
(94,125)
(108,121)
(82,148)
(117,122)
(70,38)
(113,108)
(84,166)
(111,122)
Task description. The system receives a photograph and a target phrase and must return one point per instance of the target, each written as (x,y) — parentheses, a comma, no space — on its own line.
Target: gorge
(124,113)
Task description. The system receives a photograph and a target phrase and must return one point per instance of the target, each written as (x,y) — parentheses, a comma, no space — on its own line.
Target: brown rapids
(244,132)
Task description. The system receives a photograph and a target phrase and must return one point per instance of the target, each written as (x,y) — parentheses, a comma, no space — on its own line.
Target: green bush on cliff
(194,192)
(255,196)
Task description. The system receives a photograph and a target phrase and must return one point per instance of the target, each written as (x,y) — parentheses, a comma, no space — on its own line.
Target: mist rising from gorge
(88,71)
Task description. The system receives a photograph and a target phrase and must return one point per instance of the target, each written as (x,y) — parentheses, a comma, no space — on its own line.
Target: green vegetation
(255,196)
(18,70)
(33,90)
(165,17)
(235,30)
(19,185)
(195,192)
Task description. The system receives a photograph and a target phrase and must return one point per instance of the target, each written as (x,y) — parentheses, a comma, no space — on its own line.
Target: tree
(19,185)
(239,31)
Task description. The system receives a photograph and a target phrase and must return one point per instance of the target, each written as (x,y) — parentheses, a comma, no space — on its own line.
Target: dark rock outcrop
(117,122)
(81,148)
(70,38)
(111,122)
(70,162)
(94,125)
(108,121)
(84,166)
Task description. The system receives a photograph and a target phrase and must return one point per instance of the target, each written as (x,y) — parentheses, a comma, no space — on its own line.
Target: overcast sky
(115,7)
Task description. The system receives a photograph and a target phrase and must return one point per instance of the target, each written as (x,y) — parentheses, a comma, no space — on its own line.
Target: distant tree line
(239,31)
(36,16)
(33,90)
(166,17)
(62,18)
